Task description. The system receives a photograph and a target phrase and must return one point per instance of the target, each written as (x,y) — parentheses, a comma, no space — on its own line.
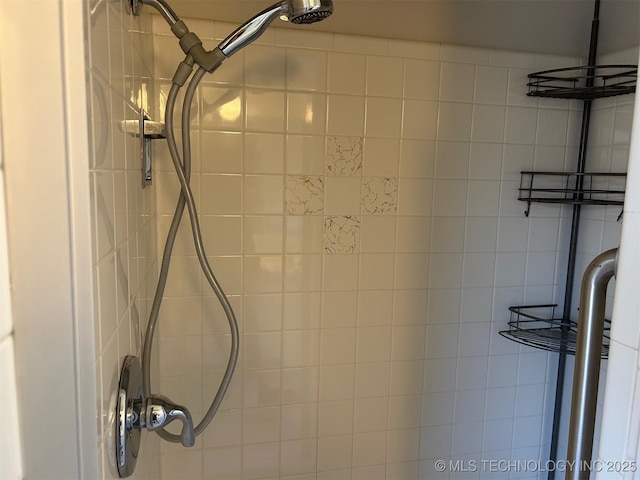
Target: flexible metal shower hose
(183,171)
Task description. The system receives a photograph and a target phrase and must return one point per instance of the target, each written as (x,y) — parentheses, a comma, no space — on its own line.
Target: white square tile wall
(361,197)
(120,71)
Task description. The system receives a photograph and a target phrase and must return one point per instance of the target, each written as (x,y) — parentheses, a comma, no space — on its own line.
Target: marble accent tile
(304,195)
(342,234)
(344,156)
(379,195)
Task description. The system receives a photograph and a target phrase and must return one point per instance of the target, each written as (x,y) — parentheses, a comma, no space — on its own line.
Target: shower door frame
(45,155)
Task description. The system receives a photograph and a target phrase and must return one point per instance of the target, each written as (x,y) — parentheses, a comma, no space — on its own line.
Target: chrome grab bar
(587,363)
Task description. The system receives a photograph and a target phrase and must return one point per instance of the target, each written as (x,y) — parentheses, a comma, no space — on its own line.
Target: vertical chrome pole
(587,364)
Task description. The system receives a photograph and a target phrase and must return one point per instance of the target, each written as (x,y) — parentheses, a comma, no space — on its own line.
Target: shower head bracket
(147,130)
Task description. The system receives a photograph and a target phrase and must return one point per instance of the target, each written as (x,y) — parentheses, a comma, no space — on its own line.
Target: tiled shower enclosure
(358,199)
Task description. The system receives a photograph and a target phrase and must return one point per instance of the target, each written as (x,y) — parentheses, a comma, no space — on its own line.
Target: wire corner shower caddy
(579,188)
(584,83)
(572,188)
(538,325)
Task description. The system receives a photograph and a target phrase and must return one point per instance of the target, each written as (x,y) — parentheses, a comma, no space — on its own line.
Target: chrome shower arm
(161,6)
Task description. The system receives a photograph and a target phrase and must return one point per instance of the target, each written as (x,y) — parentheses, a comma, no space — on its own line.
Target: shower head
(294,11)
(308,11)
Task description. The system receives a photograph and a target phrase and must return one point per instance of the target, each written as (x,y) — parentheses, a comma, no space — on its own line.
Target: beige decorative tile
(343,195)
(342,234)
(344,156)
(379,195)
(304,195)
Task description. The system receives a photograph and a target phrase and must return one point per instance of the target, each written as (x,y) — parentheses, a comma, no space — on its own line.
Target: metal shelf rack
(584,83)
(537,326)
(572,188)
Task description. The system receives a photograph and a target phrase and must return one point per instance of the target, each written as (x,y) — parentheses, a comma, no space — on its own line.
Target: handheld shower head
(295,11)
(308,11)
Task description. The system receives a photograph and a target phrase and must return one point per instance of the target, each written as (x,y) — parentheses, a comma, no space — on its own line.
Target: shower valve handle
(158,411)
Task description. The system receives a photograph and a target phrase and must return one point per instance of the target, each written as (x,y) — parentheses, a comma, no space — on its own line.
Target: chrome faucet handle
(133,412)
(158,411)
